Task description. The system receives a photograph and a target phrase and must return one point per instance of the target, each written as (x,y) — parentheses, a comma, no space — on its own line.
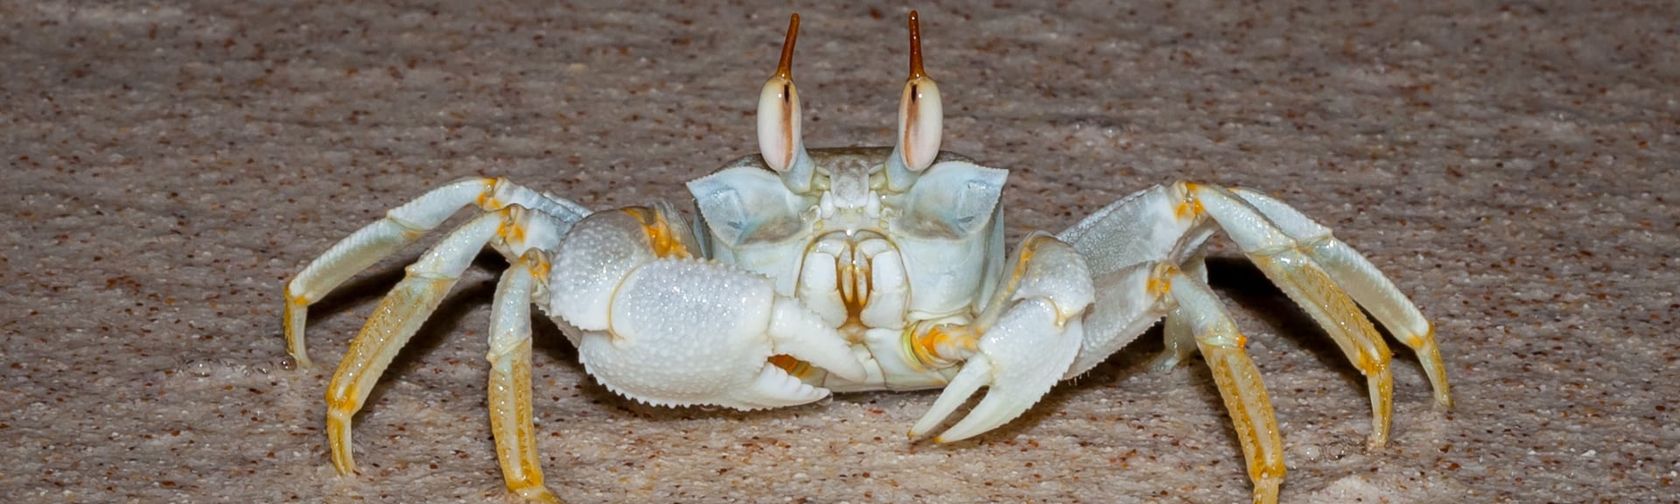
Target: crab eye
(778,110)
(920,116)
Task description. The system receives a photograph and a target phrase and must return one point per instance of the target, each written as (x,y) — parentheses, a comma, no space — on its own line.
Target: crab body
(808,272)
(876,264)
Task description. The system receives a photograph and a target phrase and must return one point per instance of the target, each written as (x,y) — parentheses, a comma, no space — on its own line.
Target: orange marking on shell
(926,347)
(1368,363)
(664,242)
(487,196)
(511,232)
(1188,209)
(948,336)
(540,269)
(294,298)
(1158,286)
(1027,252)
(341,403)
(930,342)
(795,367)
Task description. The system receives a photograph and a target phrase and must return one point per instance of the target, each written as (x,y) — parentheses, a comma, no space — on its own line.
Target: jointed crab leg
(1361,280)
(1177,335)
(1200,314)
(1284,261)
(510,378)
(396,319)
(368,245)
(399,227)
(1139,281)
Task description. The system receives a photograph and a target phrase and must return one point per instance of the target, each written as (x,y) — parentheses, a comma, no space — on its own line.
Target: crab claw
(690,332)
(666,330)
(1020,359)
(798,332)
(1030,334)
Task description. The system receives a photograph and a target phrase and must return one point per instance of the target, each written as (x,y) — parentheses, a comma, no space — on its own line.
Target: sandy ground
(167,165)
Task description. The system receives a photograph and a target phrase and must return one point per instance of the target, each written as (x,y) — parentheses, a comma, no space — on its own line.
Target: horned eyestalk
(779,135)
(920,118)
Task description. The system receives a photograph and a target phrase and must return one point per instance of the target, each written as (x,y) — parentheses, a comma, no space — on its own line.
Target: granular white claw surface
(166,165)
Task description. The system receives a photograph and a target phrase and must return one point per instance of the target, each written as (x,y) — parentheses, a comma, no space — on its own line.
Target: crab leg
(1138,281)
(1201,315)
(399,227)
(368,245)
(510,379)
(396,319)
(1125,245)
(1284,261)
(1361,280)
(1177,334)
(1195,321)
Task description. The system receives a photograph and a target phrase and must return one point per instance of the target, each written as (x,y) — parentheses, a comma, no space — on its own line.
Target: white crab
(810,271)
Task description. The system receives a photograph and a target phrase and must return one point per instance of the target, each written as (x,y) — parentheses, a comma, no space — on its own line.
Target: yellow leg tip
(338,440)
(539,494)
(1375,443)
(1382,407)
(1266,490)
(299,357)
(1430,355)
(297,314)
(1379,433)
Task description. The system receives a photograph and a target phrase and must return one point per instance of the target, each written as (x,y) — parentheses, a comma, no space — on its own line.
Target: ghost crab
(816,270)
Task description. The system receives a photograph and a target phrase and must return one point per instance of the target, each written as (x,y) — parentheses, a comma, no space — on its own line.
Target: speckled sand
(166,165)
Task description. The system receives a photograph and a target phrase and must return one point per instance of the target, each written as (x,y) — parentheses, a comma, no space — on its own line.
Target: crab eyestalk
(778,121)
(920,119)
